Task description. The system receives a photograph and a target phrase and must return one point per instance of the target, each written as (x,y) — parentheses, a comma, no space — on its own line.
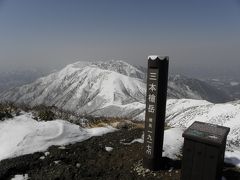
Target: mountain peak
(118,66)
(104,88)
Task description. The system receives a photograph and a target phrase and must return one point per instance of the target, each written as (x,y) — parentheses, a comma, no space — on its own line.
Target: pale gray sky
(199,36)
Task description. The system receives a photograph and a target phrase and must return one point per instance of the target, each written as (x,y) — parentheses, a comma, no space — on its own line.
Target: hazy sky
(198,35)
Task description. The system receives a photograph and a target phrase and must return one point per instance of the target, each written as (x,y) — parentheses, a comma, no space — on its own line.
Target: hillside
(57,148)
(111,89)
(107,157)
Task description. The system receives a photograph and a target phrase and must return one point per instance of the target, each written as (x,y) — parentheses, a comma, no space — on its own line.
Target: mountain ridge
(111,89)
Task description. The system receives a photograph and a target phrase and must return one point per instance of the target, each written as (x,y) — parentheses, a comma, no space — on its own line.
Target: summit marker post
(156,97)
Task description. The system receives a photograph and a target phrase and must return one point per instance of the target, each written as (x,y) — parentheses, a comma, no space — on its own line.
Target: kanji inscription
(151,108)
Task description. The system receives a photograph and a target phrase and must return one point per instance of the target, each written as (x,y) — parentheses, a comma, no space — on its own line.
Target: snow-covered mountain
(113,88)
(184,87)
(230,86)
(100,89)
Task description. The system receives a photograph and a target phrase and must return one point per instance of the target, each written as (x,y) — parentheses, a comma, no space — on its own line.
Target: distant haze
(201,37)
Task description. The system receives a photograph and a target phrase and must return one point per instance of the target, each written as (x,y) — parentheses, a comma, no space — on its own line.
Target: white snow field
(181,113)
(173,143)
(24,135)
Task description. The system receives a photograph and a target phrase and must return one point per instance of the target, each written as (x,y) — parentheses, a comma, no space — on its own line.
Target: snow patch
(173,142)
(139,140)
(233,158)
(47,153)
(108,149)
(153,57)
(20,177)
(28,135)
(42,157)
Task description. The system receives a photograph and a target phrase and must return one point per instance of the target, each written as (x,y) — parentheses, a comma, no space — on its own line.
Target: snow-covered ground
(24,135)
(182,113)
(173,143)
(20,177)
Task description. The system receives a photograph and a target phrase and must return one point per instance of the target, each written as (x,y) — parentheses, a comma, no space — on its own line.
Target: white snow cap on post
(154,57)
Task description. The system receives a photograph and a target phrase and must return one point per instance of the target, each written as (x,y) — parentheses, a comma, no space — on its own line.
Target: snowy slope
(182,113)
(89,89)
(112,88)
(122,68)
(28,135)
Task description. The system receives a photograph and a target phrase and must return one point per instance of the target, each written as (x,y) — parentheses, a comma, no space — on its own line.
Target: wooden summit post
(156,97)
